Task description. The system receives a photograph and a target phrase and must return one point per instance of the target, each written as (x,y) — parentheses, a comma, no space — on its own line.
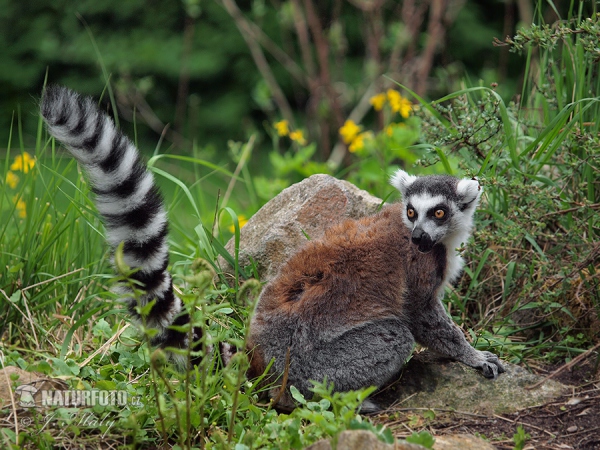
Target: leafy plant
(423,438)
(520,438)
(538,162)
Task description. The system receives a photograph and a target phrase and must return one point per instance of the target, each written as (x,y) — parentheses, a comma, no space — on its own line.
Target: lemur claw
(492,365)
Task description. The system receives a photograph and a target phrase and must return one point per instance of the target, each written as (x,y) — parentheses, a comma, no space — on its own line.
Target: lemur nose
(417,235)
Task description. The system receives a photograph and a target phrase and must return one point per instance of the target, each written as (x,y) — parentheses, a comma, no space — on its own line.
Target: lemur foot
(491,365)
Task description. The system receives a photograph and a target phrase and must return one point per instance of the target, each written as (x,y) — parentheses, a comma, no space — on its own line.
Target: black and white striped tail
(127,199)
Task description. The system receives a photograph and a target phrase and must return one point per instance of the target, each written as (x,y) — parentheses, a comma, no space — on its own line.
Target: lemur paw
(491,366)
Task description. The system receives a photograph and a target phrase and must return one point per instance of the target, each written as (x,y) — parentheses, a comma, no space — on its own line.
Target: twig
(577,208)
(587,430)
(560,369)
(446,410)
(104,346)
(284,380)
(12,398)
(51,279)
(259,59)
(523,423)
(435,33)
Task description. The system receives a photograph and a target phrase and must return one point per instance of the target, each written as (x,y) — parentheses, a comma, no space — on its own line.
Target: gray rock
(431,381)
(462,442)
(361,440)
(307,208)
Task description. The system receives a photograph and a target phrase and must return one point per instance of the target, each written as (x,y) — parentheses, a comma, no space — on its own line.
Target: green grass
(60,319)
(530,290)
(533,275)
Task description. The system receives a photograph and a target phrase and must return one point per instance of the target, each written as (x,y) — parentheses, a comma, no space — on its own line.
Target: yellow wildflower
(298,137)
(398,103)
(282,127)
(23,163)
(242,220)
(378,101)
(405,108)
(21,207)
(11,179)
(358,143)
(349,131)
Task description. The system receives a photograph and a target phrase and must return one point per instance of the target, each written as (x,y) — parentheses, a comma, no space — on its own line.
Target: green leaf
(297,395)
(423,438)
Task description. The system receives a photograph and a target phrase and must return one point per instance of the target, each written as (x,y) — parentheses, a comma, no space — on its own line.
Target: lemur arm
(436,331)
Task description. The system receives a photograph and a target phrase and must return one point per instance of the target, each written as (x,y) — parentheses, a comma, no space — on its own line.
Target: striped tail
(129,202)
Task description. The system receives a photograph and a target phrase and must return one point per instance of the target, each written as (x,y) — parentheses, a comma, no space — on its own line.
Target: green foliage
(520,438)
(50,243)
(538,163)
(529,290)
(211,406)
(422,438)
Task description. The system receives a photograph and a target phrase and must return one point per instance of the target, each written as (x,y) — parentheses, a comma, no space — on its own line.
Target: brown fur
(356,273)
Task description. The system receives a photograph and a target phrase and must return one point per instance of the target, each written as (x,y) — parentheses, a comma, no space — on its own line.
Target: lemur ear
(469,191)
(401,181)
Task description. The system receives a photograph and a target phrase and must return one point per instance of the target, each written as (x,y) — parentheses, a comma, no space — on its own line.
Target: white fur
(469,190)
(401,181)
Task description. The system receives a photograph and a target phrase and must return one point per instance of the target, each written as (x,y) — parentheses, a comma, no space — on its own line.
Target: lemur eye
(439,213)
(410,213)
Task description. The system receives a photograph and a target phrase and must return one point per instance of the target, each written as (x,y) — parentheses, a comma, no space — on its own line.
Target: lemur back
(348,307)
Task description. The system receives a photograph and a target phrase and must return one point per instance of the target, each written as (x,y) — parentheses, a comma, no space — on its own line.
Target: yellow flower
(21,207)
(405,108)
(23,163)
(282,127)
(358,143)
(12,179)
(398,103)
(378,101)
(349,131)
(298,137)
(242,220)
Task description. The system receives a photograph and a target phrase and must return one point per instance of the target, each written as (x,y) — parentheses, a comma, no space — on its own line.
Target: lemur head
(437,208)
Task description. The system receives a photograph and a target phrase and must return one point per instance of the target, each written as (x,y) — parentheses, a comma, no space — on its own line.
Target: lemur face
(437,207)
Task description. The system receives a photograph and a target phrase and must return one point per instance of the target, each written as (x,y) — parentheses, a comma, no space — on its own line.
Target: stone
(304,209)
(361,440)
(431,381)
(462,442)
(24,391)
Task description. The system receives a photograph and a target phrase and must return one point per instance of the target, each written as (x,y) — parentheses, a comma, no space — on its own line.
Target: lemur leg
(368,355)
(435,330)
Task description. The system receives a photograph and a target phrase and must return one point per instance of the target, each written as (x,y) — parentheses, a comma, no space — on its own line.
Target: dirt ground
(571,422)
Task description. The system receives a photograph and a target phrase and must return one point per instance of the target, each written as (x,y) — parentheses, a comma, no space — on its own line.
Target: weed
(520,438)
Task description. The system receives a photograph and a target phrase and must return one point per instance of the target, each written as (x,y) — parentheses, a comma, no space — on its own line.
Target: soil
(571,422)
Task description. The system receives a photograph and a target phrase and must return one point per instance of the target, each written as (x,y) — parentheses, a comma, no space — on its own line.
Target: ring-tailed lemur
(348,307)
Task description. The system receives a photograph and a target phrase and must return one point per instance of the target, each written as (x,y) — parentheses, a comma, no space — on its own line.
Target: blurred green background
(186,63)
